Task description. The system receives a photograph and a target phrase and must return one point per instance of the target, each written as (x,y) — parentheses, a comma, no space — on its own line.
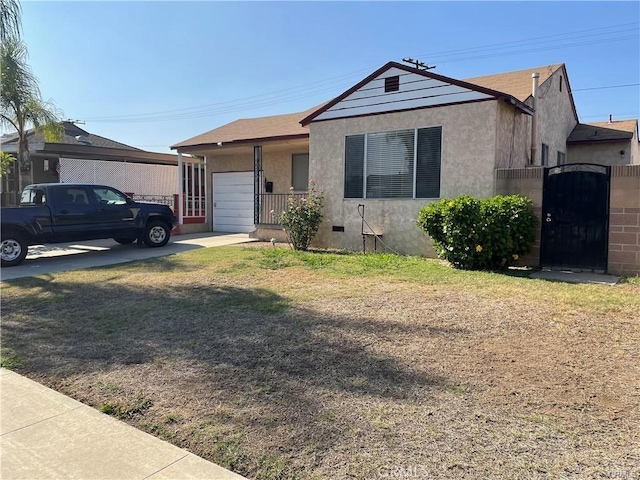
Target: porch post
(180,190)
(206,193)
(257,168)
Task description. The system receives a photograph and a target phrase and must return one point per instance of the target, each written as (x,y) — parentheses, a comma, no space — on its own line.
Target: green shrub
(476,234)
(302,217)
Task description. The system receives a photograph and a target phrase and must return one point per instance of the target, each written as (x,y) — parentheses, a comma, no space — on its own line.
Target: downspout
(534,119)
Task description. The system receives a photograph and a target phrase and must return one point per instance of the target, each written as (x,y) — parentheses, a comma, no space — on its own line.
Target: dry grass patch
(284,365)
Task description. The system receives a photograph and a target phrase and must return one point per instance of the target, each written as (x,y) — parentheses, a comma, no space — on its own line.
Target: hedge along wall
(624,213)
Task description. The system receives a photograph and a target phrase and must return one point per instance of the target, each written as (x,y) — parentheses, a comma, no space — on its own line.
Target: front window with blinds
(399,164)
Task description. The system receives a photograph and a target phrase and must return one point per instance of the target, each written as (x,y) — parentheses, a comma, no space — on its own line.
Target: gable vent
(392,84)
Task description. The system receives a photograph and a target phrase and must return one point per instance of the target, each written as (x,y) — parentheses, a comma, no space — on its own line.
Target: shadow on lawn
(248,343)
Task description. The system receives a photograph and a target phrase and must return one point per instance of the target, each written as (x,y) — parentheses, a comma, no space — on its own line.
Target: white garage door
(233,202)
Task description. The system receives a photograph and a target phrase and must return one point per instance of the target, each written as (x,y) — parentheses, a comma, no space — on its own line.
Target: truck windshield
(33,196)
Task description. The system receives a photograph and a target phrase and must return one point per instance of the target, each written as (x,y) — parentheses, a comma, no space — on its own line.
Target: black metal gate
(575,217)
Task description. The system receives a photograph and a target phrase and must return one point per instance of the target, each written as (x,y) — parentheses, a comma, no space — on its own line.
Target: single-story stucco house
(396,140)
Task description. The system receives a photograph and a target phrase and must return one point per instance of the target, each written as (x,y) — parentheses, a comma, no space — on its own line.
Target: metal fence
(276,203)
(160,199)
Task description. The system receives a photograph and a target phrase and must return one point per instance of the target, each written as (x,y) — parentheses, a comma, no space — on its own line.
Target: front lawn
(283,365)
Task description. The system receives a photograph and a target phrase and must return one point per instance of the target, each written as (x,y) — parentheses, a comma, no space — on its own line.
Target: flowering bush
(479,234)
(302,217)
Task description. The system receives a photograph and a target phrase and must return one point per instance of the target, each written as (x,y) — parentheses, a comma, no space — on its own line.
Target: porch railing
(276,202)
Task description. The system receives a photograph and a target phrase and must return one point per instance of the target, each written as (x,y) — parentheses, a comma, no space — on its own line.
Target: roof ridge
(554,67)
(113,141)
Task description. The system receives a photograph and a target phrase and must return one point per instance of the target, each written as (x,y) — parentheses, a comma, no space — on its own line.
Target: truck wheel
(125,241)
(13,250)
(157,234)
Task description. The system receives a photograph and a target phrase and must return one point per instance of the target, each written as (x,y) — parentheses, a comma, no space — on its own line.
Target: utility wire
(608,86)
(303,91)
(545,38)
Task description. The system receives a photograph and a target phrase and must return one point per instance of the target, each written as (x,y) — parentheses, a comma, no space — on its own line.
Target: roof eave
(71,150)
(242,141)
(600,140)
(461,83)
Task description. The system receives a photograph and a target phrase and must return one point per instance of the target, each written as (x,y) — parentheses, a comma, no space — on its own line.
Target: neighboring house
(608,143)
(84,157)
(400,138)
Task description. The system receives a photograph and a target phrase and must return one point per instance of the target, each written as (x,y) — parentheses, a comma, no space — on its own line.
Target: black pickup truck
(65,212)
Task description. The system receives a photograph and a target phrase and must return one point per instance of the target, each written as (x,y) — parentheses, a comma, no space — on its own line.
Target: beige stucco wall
(513,137)
(556,119)
(468,158)
(603,153)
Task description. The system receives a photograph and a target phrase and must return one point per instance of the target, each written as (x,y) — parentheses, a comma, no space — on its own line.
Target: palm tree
(10,13)
(21,104)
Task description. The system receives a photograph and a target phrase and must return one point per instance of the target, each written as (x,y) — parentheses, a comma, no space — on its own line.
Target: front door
(575,217)
(114,217)
(74,214)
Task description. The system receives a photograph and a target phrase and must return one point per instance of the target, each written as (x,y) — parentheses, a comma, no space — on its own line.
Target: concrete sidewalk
(46,435)
(62,257)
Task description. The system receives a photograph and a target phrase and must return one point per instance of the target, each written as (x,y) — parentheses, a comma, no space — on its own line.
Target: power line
(546,38)
(303,91)
(608,86)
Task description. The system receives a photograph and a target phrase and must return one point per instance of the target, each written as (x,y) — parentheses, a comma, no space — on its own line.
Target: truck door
(74,214)
(115,215)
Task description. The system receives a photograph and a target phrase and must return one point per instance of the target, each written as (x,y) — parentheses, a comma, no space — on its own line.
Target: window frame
(415,164)
(544,155)
(564,158)
(99,198)
(306,188)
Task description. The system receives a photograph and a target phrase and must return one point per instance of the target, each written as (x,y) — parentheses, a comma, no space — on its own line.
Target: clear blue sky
(109,62)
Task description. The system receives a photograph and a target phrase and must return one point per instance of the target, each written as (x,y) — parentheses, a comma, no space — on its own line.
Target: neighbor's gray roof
(72,131)
(603,131)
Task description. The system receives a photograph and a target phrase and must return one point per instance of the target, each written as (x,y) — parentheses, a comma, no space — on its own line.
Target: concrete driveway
(61,257)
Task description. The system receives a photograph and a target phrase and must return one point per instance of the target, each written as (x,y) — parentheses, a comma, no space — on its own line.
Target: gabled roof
(487,92)
(516,83)
(603,131)
(253,129)
(73,135)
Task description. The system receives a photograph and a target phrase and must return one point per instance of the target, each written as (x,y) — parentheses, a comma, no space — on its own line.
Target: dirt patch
(288,367)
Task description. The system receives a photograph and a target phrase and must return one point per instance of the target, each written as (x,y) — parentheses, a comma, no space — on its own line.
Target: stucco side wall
(468,158)
(603,153)
(513,137)
(556,119)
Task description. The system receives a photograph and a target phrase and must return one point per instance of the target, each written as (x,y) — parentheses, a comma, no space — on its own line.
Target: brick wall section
(527,182)
(624,221)
(624,214)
